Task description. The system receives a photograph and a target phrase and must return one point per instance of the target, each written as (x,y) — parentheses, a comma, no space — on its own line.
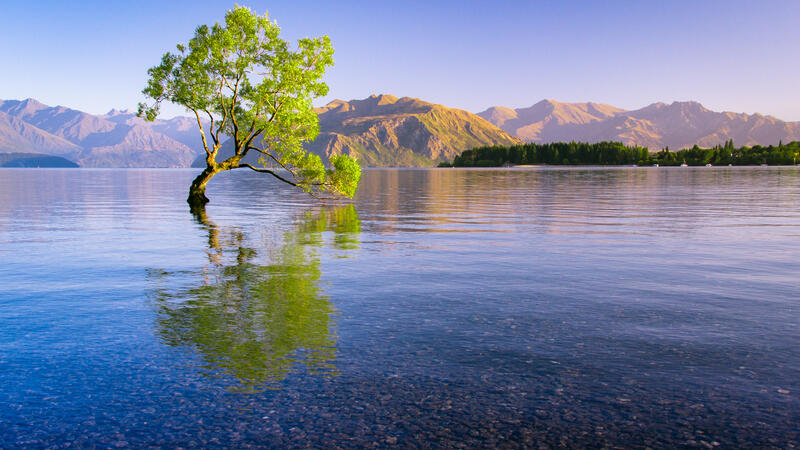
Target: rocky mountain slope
(19,136)
(117,139)
(546,120)
(383,130)
(386,131)
(677,125)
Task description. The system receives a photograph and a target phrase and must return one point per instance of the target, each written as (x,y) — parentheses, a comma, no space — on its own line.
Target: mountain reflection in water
(256,310)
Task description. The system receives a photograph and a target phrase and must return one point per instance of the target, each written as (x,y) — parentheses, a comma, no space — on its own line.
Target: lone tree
(251,86)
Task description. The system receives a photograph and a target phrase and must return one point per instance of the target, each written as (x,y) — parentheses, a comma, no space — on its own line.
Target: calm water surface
(441,308)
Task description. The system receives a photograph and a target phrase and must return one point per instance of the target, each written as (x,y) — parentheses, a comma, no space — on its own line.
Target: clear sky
(729,55)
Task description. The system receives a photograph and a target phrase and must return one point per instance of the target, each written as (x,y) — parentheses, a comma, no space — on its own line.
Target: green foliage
(616,153)
(560,153)
(253,87)
(782,154)
(345,174)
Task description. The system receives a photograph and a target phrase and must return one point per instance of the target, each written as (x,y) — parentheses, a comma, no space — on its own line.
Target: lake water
(441,308)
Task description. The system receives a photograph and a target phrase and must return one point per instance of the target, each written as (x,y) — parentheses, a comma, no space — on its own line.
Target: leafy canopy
(250,85)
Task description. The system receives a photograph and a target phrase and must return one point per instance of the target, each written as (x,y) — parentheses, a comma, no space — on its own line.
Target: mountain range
(114,139)
(677,125)
(384,130)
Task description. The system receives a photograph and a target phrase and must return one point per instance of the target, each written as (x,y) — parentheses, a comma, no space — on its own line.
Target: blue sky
(728,55)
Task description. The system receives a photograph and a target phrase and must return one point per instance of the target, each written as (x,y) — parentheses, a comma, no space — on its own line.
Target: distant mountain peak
(531,123)
(679,124)
(117,112)
(498,115)
(33,102)
(335,103)
(693,103)
(24,107)
(689,105)
(383,99)
(373,105)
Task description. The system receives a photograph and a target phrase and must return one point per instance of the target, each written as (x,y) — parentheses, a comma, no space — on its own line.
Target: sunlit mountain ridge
(677,125)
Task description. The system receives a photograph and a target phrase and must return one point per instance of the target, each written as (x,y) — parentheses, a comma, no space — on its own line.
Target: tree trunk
(197,191)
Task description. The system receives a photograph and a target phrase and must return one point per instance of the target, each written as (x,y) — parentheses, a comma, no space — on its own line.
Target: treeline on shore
(33,160)
(617,153)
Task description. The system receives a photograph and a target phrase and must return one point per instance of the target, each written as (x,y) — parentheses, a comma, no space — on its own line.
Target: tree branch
(202,131)
(237,147)
(213,137)
(263,152)
(269,172)
(225,111)
(247,145)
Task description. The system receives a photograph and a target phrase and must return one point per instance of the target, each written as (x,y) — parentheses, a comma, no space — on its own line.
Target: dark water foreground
(442,308)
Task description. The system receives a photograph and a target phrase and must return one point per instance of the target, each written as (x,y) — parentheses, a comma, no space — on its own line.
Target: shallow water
(478,308)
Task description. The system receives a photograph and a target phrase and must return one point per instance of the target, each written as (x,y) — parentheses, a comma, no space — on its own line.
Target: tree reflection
(258,314)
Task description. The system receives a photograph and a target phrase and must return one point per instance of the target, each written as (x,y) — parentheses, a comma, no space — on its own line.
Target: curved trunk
(197,191)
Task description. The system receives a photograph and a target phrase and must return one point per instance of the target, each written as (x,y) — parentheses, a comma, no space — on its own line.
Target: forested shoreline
(617,153)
